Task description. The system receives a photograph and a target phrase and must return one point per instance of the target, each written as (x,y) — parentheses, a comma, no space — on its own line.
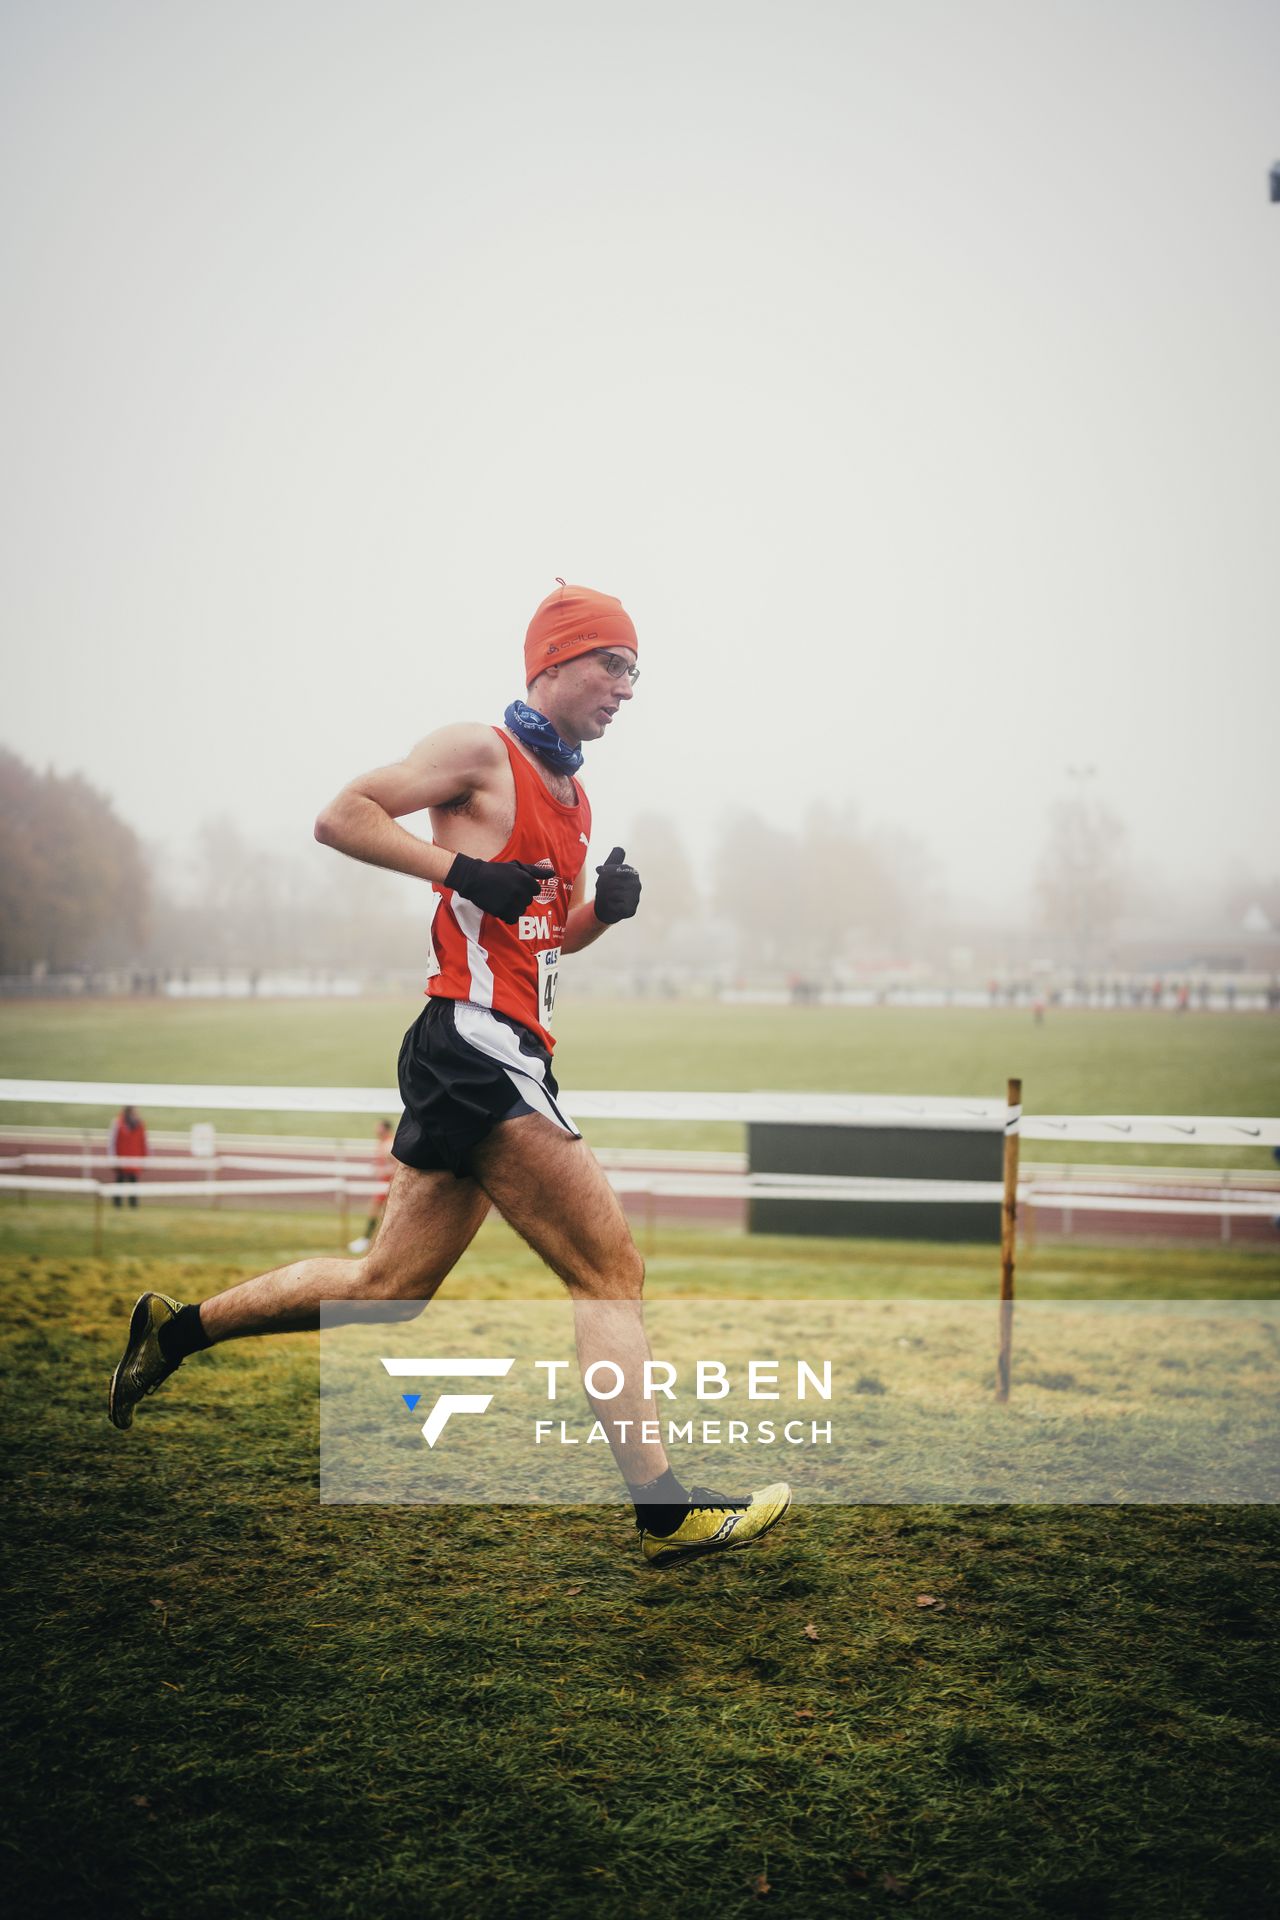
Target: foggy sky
(909,371)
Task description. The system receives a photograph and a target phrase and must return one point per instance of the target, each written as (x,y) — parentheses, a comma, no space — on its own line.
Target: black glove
(503,888)
(617,890)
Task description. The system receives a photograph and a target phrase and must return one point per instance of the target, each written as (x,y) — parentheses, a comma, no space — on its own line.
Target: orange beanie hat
(574,620)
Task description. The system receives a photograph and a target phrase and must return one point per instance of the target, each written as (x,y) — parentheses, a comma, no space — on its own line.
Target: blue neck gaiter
(536,731)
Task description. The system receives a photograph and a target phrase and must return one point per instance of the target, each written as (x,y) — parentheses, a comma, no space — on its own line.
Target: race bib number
(548,981)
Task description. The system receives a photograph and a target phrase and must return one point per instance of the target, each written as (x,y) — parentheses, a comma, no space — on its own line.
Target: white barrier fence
(1051,1190)
(797,1109)
(1242,1203)
(673,1175)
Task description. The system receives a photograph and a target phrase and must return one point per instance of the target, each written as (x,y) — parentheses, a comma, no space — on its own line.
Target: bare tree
(73,880)
(235,904)
(831,893)
(665,930)
(852,895)
(756,889)
(1081,880)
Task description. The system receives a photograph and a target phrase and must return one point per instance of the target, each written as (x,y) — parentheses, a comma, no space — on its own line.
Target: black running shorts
(463,1068)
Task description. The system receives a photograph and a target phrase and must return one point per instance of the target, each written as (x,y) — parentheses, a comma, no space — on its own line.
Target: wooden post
(1008,1235)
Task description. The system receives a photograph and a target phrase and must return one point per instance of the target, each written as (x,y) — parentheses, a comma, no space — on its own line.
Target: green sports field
(224,1698)
(1077,1062)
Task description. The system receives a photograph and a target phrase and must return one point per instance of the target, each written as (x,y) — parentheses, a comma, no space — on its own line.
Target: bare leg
(552,1191)
(431,1219)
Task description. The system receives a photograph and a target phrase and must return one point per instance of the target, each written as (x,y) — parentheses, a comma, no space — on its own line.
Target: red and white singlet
(514,969)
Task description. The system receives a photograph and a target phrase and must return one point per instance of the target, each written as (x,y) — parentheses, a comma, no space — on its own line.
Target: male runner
(482,1122)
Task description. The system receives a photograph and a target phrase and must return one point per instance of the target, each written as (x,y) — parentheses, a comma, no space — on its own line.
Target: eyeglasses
(615,666)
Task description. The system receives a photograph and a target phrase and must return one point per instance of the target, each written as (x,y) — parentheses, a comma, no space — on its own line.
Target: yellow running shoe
(143,1366)
(715,1522)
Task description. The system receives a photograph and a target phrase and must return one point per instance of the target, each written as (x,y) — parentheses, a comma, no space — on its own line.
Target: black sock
(183,1335)
(660,1504)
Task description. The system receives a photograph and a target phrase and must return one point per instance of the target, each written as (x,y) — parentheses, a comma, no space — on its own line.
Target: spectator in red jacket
(384,1168)
(127,1145)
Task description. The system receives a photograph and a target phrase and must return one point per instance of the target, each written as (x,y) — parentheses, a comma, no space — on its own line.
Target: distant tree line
(236,906)
(78,891)
(827,895)
(74,889)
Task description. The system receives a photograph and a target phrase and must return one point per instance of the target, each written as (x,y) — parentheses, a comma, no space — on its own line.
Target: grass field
(226,1698)
(1077,1062)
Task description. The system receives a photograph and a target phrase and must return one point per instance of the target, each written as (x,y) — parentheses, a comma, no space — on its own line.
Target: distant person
(127,1145)
(384,1166)
(482,1124)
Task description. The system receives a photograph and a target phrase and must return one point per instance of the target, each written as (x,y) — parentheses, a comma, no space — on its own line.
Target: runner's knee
(620,1277)
(406,1287)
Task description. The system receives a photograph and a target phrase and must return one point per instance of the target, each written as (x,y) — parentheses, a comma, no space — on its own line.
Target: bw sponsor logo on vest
(537,926)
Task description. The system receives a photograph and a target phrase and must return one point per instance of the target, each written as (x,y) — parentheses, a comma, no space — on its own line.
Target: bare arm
(581,926)
(447,766)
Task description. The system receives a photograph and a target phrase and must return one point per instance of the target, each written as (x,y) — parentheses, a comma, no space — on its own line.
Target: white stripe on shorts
(527,1074)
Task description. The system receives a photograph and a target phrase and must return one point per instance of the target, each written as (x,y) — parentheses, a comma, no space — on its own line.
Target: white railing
(656,1174)
(1243,1203)
(791,1109)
